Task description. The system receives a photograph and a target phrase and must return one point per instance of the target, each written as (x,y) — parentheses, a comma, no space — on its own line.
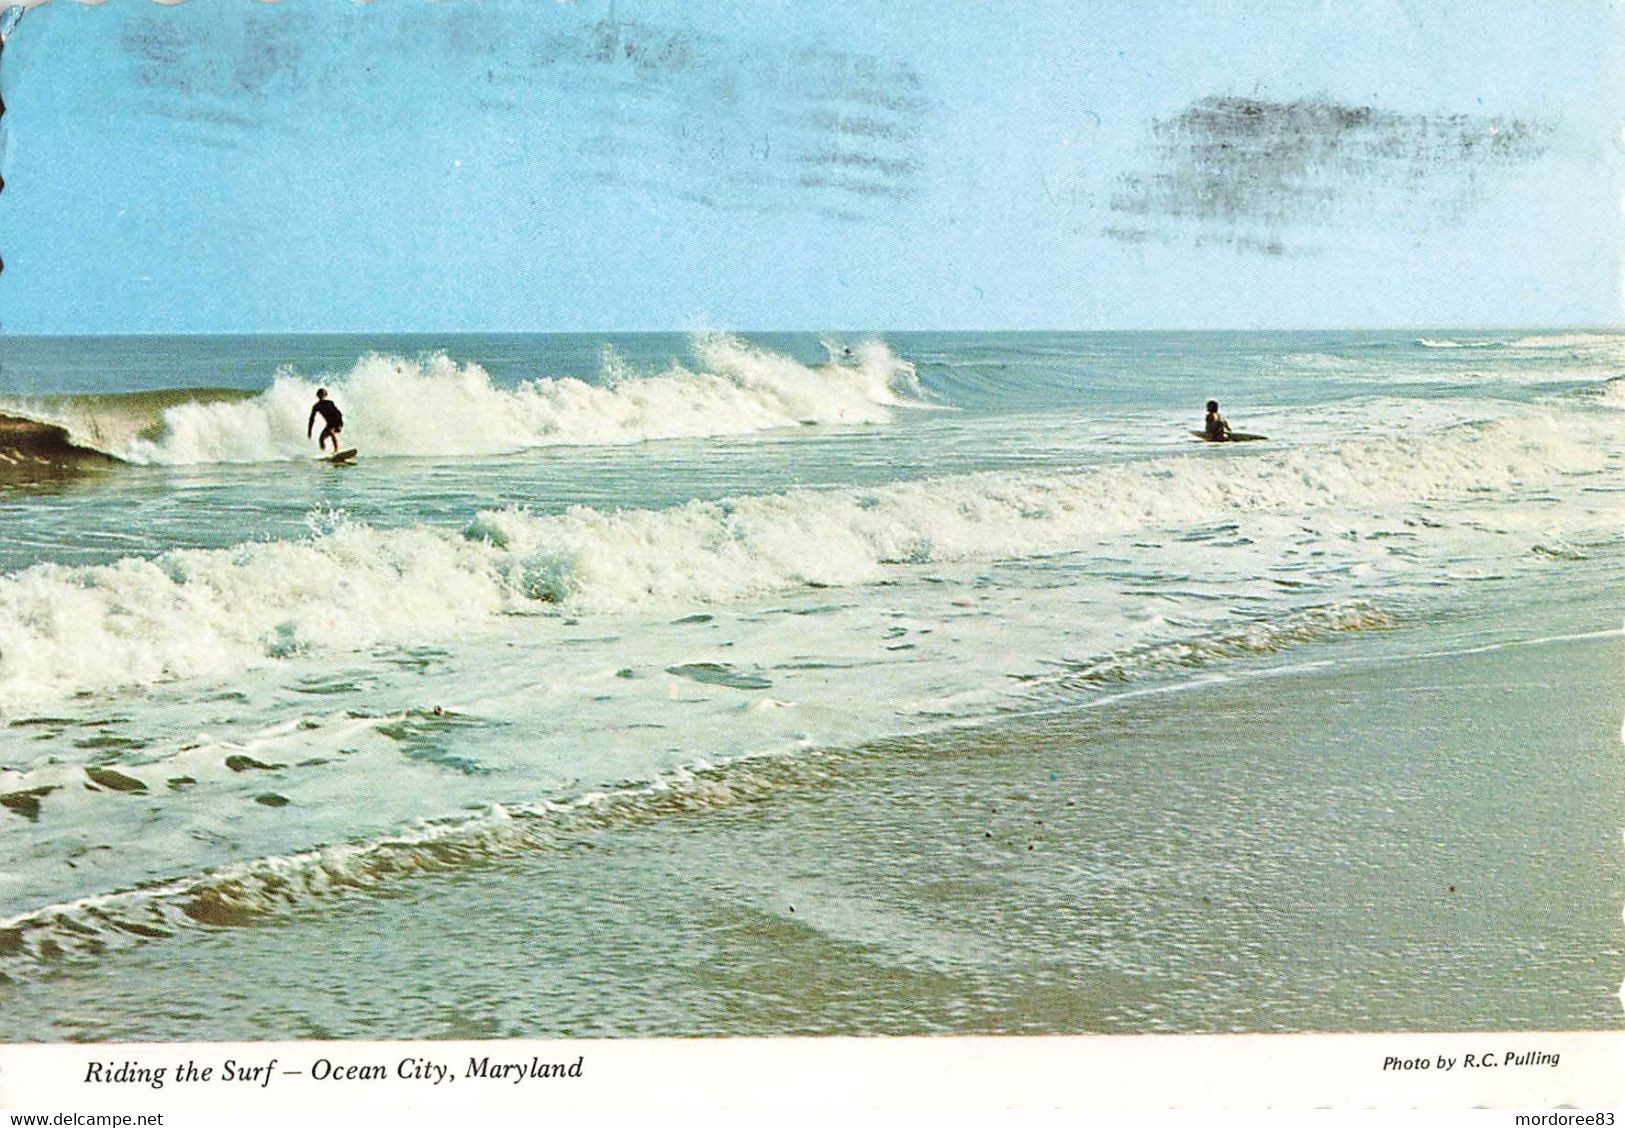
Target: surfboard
(1232,437)
(341,456)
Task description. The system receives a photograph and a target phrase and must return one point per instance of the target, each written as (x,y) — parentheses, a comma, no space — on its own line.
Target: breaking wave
(1570,341)
(1537,342)
(1451,343)
(197,612)
(30,449)
(434,406)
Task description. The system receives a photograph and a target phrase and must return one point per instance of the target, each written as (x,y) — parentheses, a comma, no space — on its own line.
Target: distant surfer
(331,416)
(1214,428)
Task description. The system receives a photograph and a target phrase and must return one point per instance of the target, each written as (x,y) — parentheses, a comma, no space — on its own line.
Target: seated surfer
(331,416)
(1214,426)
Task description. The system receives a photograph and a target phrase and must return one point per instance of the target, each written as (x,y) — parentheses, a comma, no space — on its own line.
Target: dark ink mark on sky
(219,84)
(745,127)
(167,53)
(849,125)
(857,186)
(659,110)
(1259,171)
(865,80)
(865,162)
(273,47)
(202,113)
(1274,248)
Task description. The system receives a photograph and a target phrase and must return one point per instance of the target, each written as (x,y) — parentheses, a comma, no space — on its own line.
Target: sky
(604,165)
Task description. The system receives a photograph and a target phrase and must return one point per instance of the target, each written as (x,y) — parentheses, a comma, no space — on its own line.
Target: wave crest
(1451,343)
(209,612)
(32,449)
(435,406)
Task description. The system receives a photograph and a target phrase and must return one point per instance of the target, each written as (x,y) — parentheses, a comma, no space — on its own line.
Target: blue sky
(529,165)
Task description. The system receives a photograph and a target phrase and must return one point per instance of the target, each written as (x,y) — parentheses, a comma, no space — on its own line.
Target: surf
(71,432)
(196,612)
(436,406)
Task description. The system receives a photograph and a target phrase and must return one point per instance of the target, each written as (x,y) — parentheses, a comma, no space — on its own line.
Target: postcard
(570,554)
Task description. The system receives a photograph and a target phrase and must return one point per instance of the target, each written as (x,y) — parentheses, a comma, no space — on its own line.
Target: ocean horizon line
(1569,327)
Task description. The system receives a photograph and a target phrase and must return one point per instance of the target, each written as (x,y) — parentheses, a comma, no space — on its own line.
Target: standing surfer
(331,416)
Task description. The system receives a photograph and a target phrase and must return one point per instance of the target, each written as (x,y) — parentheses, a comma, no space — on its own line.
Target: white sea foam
(1570,341)
(434,406)
(209,612)
(706,551)
(1534,342)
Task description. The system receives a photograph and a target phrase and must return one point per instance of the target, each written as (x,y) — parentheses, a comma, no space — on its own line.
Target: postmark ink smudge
(1255,168)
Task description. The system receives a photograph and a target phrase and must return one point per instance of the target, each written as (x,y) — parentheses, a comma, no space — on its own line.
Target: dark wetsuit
(329,411)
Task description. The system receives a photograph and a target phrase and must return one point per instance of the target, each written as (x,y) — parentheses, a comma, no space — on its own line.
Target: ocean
(777,683)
